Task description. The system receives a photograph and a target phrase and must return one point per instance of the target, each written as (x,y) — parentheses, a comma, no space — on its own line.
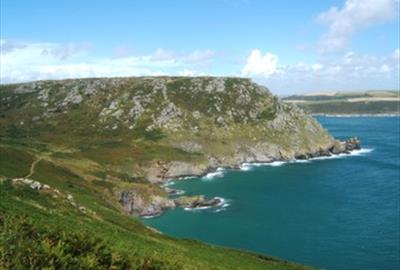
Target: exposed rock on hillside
(158,128)
(135,202)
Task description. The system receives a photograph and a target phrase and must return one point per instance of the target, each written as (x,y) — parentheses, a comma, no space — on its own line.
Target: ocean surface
(336,213)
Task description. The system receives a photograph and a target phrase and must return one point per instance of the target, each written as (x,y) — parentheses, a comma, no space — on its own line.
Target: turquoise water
(335,213)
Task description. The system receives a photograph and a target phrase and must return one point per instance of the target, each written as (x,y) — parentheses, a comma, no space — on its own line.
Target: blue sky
(289,46)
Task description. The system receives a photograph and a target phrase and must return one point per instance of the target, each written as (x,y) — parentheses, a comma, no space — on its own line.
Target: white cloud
(317,67)
(350,72)
(260,65)
(354,16)
(35,61)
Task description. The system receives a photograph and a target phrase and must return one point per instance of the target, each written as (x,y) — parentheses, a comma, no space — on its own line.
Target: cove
(335,213)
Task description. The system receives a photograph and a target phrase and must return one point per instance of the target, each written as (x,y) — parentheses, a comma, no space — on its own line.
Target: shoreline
(158,207)
(245,166)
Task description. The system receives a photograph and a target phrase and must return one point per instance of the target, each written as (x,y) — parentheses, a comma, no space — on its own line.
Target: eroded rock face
(161,172)
(135,202)
(179,168)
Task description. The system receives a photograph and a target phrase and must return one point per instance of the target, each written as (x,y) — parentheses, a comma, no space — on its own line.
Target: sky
(291,47)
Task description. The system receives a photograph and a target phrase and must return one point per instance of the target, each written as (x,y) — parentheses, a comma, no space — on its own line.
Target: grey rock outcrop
(198,201)
(135,202)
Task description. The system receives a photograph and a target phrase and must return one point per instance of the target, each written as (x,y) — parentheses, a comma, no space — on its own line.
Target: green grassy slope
(91,139)
(27,213)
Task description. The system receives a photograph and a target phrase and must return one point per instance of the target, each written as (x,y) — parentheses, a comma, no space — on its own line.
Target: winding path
(32,168)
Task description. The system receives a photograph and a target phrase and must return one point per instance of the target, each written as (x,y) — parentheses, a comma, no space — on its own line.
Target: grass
(26,212)
(81,153)
(14,163)
(30,212)
(122,236)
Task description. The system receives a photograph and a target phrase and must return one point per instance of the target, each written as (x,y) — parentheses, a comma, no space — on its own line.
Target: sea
(340,212)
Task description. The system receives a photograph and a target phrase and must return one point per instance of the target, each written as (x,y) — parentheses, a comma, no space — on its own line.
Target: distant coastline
(384,103)
(358,115)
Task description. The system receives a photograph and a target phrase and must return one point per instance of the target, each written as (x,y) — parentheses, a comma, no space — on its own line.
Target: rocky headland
(158,204)
(132,135)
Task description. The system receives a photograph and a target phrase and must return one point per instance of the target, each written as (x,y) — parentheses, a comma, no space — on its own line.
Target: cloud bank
(354,16)
(351,71)
(22,62)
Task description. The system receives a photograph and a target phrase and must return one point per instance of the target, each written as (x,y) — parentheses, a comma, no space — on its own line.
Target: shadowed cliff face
(132,131)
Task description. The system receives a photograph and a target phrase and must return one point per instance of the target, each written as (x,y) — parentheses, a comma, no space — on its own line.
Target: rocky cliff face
(157,128)
(134,202)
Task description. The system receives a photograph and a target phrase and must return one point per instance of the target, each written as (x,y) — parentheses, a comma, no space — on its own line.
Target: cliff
(127,134)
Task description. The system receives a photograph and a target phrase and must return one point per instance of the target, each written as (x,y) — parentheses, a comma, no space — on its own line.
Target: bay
(339,213)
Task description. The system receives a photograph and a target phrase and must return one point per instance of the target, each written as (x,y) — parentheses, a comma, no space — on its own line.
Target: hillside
(84,155)
(343,103)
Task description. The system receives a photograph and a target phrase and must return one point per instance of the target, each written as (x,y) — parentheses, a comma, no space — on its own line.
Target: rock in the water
(198,201)
(345,146)
(352,144)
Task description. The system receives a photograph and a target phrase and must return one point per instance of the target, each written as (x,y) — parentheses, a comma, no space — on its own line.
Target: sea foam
(249,166)
(167,184)
(217,174)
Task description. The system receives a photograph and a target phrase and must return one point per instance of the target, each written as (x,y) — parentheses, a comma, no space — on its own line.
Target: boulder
(36,185)
(352,144)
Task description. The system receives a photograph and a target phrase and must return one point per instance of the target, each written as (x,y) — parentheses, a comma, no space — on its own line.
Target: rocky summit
(128,134)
